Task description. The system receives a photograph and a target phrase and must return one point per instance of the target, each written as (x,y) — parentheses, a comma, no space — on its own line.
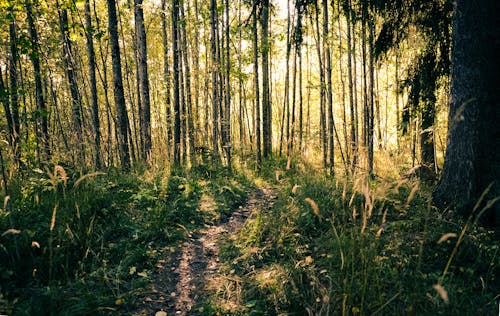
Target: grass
(80,244)
(87,244)
(360,247)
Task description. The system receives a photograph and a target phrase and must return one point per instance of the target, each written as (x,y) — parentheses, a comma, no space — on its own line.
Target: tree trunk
(215,69)
(89,32)
(70,67)
(227,112)
(166,77)
(13,91)
(472,157)
(142,61)
(256,80)
(121,110)
(176,65)
(43,133)
(266,96)
(329,97)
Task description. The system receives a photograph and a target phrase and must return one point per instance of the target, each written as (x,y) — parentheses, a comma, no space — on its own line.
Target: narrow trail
(186,277)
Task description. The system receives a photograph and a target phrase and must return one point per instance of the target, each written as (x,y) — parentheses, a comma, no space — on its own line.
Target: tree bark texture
(472,155)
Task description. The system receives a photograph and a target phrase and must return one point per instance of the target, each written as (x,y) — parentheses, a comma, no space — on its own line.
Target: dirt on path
(187,277)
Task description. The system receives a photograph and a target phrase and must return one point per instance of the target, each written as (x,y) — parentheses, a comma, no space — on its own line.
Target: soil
(188,276)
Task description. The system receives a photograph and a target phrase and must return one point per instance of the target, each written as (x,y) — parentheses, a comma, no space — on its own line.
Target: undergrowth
(86,244)
(360,247)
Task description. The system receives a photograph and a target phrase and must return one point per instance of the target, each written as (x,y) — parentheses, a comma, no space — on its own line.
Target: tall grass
(88,243)
(361,247)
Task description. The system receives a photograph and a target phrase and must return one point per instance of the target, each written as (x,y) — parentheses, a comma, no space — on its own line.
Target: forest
(249,157)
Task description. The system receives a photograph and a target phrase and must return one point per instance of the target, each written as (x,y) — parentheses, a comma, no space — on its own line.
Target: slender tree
(142,63)
(96,128)
(121,110)
(42,131)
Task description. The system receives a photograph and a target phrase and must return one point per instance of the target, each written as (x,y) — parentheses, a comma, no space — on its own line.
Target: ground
(187,278)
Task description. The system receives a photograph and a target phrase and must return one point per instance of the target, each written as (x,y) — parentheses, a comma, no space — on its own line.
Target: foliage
(88,244)
(361,248)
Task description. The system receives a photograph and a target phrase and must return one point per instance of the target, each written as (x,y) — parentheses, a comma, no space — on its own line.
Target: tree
(176,66)
(40,100)
(121,110)
(96,128)
(142,60)
(472,157)
(70,67)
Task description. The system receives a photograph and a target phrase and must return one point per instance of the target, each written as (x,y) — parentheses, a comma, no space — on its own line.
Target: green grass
(386,260)
(87,244)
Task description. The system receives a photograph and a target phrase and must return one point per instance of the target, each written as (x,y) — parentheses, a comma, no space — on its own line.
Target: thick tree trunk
(121,110)
(472,157)
(142,61)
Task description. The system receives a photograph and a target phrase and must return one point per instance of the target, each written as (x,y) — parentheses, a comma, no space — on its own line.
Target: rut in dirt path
(183,279)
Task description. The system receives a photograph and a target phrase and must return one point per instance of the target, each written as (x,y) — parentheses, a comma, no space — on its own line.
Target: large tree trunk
(472,156)
(121,110)
(142,60)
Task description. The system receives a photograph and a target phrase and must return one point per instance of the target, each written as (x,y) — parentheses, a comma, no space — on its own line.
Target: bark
(13,89)
(89,32)
(42,132)
(215,69)
(166,77)
(227,115)
(70,67)
(142,62)
(472,157)
(329,96)
(266,96)
(256,81)
(119,96)
(176,66)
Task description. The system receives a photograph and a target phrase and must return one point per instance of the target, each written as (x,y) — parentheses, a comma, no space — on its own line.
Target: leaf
(445,237)
(294,189)
(132,270)
(11,231)
(442,292)
(251,303)
(143,274)
(161,313)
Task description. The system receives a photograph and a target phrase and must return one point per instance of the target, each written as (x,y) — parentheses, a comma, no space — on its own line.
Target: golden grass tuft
(314,207)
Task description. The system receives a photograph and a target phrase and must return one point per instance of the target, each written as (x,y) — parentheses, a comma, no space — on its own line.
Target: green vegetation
(87,244)
(335,247)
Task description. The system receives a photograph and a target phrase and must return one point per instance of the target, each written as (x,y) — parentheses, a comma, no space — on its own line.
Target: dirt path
(186,277)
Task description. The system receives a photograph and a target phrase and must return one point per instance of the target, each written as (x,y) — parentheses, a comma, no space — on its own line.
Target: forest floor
(185,279)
